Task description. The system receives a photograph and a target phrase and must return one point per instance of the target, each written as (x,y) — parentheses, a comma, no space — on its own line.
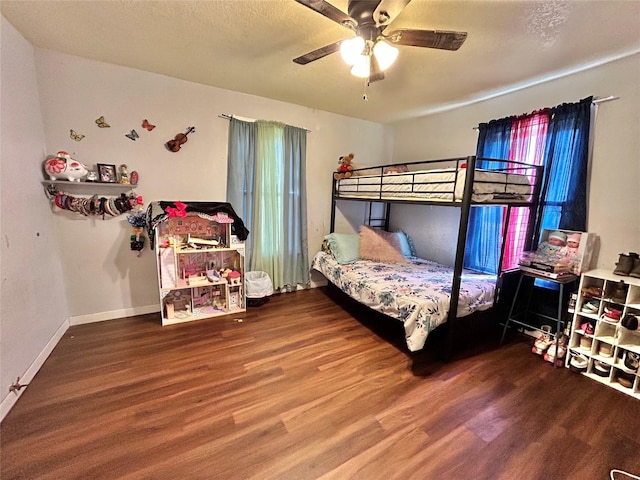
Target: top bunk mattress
(445,185)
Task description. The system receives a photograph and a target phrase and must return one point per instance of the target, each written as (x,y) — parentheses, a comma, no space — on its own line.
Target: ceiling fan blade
(375,73)
(387,10)
(329,11)
(318,54)
(427,38)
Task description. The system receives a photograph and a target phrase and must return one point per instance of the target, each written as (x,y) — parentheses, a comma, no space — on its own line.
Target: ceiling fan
(372,50)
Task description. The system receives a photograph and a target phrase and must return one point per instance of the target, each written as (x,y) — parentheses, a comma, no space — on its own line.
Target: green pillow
(345,247)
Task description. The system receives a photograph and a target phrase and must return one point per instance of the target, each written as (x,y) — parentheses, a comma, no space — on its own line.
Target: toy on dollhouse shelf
(234,278)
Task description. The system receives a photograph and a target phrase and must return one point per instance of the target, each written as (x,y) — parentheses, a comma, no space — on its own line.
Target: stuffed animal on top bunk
(345,167)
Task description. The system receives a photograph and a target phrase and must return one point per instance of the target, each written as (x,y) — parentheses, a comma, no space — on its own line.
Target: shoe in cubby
(578,363)
(585,344)
(601,369)
(630,362)
(616,292)
(592,291)
(625,379)
(591,307)
(605,350)
(630,322)
(611,313)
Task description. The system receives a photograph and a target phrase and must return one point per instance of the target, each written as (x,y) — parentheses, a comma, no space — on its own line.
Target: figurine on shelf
(92,176)
(124,176)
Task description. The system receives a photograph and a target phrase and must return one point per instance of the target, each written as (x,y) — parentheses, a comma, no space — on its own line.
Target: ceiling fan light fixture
(362,66)
(385,53)
(351,49)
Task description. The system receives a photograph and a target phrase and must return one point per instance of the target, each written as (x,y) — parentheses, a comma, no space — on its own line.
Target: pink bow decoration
(179,211)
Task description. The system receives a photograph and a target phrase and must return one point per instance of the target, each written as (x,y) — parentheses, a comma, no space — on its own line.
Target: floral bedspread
(416,293)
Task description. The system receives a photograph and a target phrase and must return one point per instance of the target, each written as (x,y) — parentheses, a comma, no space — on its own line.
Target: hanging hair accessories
(137,221)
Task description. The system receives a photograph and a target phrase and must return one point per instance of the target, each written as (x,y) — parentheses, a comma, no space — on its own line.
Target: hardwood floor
(300,389)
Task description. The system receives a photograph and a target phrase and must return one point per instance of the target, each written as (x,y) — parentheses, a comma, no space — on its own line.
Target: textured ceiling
(248,46)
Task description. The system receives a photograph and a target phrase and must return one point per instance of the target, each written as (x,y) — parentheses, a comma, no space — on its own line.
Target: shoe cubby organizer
(601,344)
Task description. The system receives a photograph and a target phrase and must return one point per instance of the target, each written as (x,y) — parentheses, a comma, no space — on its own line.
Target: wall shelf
(86,186)
(91,198)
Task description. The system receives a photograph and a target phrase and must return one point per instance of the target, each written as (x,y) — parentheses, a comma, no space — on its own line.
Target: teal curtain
(242,142)
(268,213)
(267,176)
(296,262)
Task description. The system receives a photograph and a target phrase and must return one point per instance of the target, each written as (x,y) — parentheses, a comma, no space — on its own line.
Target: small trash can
(258,287)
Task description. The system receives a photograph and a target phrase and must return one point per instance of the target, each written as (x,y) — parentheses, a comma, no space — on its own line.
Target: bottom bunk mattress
(417,292)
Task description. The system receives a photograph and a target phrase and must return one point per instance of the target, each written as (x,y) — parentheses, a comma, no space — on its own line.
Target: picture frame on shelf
(107,173)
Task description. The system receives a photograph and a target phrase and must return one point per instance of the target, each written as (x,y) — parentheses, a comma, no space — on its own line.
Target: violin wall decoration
(174,144)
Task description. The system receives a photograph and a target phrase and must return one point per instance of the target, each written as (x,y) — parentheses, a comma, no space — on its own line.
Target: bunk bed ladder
(370,219)
(377,222)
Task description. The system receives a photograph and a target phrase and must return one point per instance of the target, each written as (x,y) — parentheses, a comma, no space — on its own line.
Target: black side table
(521,317)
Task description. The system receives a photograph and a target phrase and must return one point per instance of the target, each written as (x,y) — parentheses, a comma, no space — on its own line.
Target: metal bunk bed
(454,182)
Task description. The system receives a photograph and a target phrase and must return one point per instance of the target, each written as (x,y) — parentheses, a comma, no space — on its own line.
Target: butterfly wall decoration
(132,136)
(147,125)
(75,136)
(101,123)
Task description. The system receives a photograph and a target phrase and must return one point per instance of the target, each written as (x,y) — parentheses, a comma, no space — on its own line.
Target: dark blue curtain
(563,198)
(482,250)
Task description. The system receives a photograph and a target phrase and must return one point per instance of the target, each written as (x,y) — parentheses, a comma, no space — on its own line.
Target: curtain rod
(610,98)
(595,101)
(229,117)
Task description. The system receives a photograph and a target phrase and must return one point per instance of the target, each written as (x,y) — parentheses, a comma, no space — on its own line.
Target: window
(266,181)
(556,138)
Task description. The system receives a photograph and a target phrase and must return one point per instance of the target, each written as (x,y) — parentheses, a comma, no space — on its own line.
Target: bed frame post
(462,241)
(332,227)
(534,217)
(505,231)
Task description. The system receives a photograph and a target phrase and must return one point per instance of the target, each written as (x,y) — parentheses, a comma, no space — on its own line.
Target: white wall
(33,306)
(103,278)
(59,268)
(614,201)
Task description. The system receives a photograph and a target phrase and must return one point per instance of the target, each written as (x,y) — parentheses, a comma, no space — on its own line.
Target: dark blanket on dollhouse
(158,212)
